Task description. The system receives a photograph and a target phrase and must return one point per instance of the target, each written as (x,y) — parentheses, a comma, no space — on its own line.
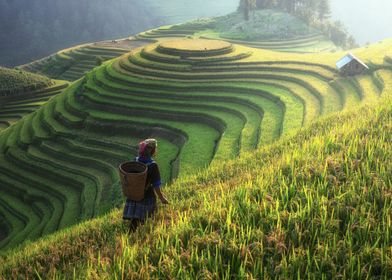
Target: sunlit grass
(207,109)
(317,205)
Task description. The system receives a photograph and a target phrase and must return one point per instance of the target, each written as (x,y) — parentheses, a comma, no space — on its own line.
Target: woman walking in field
(138,211)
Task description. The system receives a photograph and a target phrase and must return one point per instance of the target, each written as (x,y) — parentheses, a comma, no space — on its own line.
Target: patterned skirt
(139,209)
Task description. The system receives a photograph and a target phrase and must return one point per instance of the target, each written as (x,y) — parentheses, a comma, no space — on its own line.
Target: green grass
(206,105)
(73,63)
(18,81)
(52,207)
(232,118)
(246,112)
(13,108)
(192,90)
(315,205)
(271,112)
(267,25)
(203,145)
(266,29)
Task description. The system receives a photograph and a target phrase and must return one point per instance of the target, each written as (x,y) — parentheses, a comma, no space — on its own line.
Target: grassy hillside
(73,63)
(206,102)
(263,25)
(16,81)
(22,93)
(266,29)
(315,205)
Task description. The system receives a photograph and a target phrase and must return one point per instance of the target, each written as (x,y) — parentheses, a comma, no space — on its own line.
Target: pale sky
(368,20)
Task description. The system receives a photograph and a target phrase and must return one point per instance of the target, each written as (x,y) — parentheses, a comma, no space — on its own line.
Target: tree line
(32,29)
(314,12)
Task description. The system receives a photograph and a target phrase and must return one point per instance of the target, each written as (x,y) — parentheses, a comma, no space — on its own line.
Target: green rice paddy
(14,82)
(317,205)
(209,103)
(206,101)
(21,93)
(266,29)
(72,64)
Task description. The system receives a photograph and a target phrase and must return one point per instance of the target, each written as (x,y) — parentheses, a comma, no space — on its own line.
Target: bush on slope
(17,81)
(315,205)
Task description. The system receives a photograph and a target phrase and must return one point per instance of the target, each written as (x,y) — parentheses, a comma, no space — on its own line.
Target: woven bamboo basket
(133,179)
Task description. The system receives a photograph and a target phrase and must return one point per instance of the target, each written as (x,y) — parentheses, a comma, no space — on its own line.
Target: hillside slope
(207,98)
(317,205)
(73,63)
(15,81)
(31,30)
(22,93)
(267,29)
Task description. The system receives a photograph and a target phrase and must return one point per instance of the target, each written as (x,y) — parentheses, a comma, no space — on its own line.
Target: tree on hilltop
(314,12)
(306,9)
(324,10)
(246,6)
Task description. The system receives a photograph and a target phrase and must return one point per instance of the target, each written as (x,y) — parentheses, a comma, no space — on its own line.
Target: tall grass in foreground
(316,206)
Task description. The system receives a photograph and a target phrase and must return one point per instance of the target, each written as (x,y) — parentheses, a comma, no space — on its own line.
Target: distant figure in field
(138,211)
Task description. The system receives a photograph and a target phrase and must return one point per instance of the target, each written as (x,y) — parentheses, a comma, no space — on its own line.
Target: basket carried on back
(133,179)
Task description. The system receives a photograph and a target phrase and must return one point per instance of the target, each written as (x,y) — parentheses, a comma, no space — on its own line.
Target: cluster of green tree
(314,12)
(32,29)
(15,81)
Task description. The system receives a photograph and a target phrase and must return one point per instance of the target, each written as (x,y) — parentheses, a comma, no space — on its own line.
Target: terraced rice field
(16,81)
(205,101)
(313,42)
(15,107)
(72,64)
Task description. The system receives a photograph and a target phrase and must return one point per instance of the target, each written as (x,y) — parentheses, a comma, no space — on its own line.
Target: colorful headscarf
(147,148)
